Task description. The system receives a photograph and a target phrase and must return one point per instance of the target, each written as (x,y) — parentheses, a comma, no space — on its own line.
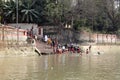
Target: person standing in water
(90,47)
(87,51)
(53,45)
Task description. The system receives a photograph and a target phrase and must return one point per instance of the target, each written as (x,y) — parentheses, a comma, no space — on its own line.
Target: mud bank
(17,51)
(30,51)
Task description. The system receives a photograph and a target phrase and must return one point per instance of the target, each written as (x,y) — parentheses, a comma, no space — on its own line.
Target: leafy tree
(111,16)
(40,8)
(10,11)
(53,11)
(28,11)
(1,10)
(97,15)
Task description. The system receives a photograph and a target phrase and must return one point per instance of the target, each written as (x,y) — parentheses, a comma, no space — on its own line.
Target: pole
(17,21)
(3,33)
(17,12)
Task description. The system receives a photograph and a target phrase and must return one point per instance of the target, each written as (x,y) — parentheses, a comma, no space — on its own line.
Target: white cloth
(46,38)
(36,37)
(33,42)
(63,47)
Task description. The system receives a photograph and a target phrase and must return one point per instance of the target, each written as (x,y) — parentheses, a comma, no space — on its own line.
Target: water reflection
(62,67)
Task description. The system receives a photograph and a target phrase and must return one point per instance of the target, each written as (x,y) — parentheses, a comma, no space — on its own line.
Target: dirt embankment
(18,51)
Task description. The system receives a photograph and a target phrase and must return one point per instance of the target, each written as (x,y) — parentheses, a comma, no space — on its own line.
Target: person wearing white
(63,48)
(46,38)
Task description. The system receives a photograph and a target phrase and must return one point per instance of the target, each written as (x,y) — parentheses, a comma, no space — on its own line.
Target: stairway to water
(43,48)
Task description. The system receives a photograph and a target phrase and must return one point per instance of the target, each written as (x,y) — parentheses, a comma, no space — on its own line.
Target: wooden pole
(3,33)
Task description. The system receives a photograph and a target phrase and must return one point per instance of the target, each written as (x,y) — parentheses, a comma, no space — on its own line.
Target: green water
(105,66)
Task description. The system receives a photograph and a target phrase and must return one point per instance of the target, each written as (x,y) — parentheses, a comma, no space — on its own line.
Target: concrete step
(44,48)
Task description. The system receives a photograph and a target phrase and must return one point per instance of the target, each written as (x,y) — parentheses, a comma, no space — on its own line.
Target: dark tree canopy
(96,15)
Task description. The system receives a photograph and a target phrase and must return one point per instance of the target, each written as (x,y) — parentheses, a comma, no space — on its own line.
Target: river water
(105,66)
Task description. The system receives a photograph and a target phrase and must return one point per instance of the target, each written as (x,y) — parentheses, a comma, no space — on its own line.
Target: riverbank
(17,51)
(30,51)
(102,48)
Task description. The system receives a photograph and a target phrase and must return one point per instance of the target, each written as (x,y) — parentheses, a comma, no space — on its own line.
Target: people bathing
(72,48)
(59,48)
(88,50)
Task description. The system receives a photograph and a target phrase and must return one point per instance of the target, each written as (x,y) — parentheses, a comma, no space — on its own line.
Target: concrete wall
(9,33)
(98,38)
(27,26)
(105,38)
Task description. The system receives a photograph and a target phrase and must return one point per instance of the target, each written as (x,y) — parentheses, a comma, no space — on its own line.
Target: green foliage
(53,11)
(79,23)
(1,10)
(118,32)
(10,11)
(28,11)
(94,15)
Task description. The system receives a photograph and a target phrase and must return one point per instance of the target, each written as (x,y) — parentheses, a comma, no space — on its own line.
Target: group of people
(67,48)
(52,42)
(58,48)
